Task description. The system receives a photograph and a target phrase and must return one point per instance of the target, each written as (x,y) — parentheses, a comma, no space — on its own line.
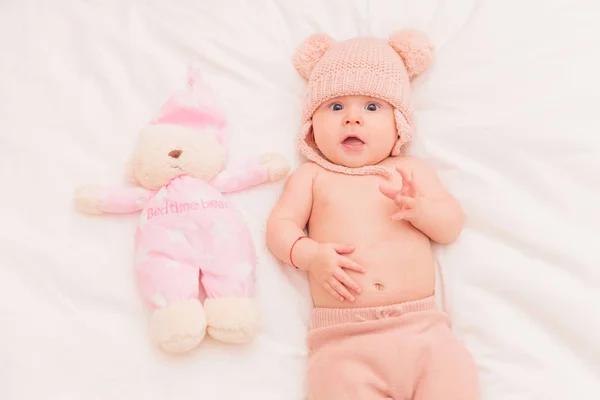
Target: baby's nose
(175,153)
(353,121)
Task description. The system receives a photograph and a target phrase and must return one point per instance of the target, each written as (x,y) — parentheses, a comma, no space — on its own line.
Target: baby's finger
(343,248)
(408,181)
(413,185)
(351,265)
(399,202)
(403,174)
(341,289)
(406,201)
(399,216)
(388,191)
(332,291)
(347,281)
(405,214)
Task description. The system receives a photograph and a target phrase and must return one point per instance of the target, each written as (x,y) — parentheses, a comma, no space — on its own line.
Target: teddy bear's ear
(310,51)
(415,48)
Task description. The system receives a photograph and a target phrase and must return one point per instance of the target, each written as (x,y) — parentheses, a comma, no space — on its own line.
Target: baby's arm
(442,216)
(95,199)
(326,262)
(289,217)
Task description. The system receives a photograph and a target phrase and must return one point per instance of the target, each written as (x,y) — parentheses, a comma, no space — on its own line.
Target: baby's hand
(407,198)
(327,265)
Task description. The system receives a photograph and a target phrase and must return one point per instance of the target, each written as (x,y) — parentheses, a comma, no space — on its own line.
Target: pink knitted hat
(195,107)
(365,66)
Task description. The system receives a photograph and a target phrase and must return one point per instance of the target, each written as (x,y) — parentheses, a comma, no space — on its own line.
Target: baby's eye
(372,107)
(336,107)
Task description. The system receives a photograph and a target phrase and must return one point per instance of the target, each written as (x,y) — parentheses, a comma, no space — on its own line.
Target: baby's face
(355,131)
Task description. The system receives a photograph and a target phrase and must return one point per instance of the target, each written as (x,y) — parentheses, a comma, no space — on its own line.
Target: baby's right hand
(327,265)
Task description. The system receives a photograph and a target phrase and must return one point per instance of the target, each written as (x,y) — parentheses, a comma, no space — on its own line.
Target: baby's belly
(397,270)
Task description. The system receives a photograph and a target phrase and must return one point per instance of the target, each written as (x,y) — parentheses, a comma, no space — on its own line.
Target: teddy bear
(189,234)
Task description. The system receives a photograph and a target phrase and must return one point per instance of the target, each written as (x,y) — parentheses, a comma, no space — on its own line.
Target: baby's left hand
(407,197)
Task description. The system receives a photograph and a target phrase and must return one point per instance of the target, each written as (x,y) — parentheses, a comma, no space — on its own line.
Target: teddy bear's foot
(232,319)
(179,327)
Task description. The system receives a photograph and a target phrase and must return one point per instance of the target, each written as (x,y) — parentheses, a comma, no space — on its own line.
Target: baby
(371,213)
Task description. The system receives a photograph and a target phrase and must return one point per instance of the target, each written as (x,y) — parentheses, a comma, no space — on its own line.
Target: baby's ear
(310,51)
(415,48)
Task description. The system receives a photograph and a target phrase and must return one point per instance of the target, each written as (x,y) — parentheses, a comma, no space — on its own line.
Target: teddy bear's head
(165,151)
(189,137)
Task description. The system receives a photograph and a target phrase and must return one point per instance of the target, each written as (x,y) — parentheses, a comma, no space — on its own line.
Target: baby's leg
(450,372)
(336,377)
(353,354)
(171,289)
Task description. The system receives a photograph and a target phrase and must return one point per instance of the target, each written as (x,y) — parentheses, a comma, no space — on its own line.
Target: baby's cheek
(384,141)
(326,141)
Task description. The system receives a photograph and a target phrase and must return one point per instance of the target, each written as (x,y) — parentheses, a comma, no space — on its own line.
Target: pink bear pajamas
(402,352)
(188,228)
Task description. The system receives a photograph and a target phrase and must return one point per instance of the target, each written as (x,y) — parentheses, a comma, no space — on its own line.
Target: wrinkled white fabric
(508,114)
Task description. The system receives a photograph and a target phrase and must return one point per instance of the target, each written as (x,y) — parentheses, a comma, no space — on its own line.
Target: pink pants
(403,351)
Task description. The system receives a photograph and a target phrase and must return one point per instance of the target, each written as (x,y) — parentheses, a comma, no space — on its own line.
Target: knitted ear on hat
(310,51)
(405,133)
(415,48)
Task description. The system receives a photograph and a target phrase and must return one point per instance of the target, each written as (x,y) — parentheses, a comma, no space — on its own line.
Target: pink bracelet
(292,248)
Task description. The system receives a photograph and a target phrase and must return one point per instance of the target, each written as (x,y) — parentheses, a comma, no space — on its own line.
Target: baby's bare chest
(359,193)
(349,203)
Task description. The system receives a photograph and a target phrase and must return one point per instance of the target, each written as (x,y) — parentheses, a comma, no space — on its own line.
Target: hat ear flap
(310,52)
(415,48)
(405,133)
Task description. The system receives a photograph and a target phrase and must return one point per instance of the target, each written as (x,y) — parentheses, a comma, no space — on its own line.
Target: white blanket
(508,114)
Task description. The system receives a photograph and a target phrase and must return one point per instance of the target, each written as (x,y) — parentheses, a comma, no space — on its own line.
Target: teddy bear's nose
(175,153)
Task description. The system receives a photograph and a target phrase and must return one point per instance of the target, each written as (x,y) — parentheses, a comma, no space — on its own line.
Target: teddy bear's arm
(255,171)
(125,200)
(241,176)
(95,199)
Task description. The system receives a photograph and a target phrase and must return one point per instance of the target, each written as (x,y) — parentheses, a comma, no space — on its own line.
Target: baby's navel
(379,287)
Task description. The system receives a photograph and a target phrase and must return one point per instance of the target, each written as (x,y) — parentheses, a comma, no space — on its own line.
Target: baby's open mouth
(352,141)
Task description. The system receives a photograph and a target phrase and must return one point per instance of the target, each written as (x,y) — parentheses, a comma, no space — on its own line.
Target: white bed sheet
(508,114)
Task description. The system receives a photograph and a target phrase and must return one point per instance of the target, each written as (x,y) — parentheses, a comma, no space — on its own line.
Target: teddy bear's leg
(170,289)
(231,311)
(232,319)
